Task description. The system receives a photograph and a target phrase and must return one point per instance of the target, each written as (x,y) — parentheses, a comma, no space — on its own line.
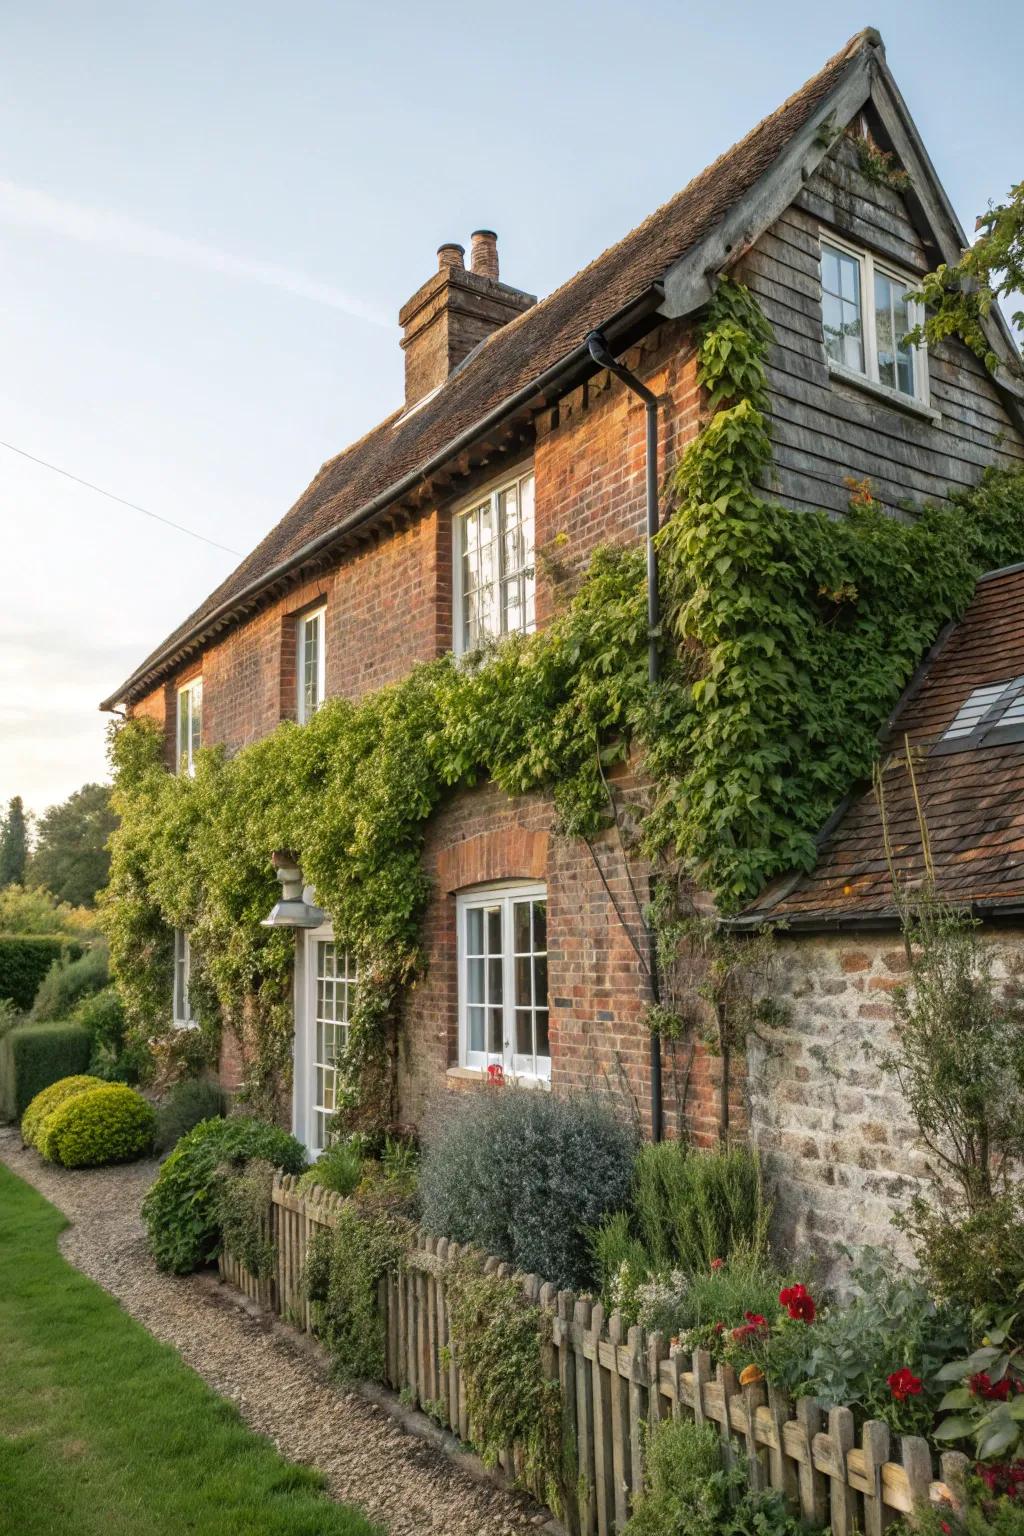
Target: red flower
(496,1073)
(982,1385)
(716,1265)
(719,1328)
(1003,1477)
(754,1324)
(798,1303)
(903,1383)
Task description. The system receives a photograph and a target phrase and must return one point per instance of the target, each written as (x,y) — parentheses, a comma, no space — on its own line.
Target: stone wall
(840,1147)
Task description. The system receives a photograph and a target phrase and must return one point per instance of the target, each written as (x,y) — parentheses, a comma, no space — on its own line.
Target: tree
(959,297)
(13,844)
(71,858)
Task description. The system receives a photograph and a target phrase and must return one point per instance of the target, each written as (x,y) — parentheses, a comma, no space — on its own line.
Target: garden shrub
(114,1057)
(500,1339)
(339,1167)
(34,1055)
(181,1208)
(983,1515)
(694,1207)
(975,1257)
(243,1211)
(69,979)
(49,1099)
(109,1124)
(9,1016)
(342,1271)
(188,1101)
(689,1492)
(523,1175)
(25,959)
(700,1308)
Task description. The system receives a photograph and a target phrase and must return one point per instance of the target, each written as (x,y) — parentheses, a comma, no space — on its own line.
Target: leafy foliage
(976,1257)
(181,1208)
(987,1407)
(342,1272)
(187,1102)
(690,1492)
(243,1207)
(982,1516)
(960,296)
(49,1099)
(109,1124)
(499,1338)
(23,911)
(70,857)
(70,978)
(339,1167)
(523,1175)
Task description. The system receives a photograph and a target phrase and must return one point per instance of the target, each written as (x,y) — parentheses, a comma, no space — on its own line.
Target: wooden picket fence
(615,1384)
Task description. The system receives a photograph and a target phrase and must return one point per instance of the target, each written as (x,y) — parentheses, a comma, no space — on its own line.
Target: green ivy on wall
(787,639)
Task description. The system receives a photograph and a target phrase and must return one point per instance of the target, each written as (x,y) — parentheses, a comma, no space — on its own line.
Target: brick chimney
(446,318)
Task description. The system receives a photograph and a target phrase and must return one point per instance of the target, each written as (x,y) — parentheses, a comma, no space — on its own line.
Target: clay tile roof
(972,798)
(507,361)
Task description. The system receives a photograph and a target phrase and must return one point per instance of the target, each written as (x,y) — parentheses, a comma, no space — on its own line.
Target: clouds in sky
(29,208)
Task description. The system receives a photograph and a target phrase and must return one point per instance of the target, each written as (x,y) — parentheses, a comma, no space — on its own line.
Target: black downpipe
(602,356)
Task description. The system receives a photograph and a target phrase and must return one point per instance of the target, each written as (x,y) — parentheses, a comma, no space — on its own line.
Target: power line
(120,499)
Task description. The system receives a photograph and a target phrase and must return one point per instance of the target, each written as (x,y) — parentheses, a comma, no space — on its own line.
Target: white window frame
(305,1102)
(869,264)
(190,695)
(532,1068)
(491,493)
(319,617)
(181,1005)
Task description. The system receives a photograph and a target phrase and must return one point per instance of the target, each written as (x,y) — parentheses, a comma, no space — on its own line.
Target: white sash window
(503,980)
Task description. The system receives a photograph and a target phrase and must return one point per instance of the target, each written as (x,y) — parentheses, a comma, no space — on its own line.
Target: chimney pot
(450,255)
(484,253)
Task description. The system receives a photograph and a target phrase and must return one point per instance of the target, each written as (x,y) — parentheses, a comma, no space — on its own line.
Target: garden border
(614,1381)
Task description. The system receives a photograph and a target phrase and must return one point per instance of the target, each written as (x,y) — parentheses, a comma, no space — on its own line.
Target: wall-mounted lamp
(291,911)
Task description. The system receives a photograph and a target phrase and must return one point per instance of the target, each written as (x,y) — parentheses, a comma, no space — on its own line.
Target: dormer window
(867,316)
(190,724)
(494,572)
(310,663)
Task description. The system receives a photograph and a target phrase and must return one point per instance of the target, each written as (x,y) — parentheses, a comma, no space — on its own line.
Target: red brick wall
(597,987)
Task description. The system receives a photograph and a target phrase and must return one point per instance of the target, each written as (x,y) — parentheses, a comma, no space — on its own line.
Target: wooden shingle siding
(825,430)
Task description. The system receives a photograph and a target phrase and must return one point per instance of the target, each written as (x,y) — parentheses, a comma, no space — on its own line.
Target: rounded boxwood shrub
(523,1175)
(109,1124)
(181,1208)
(49,1099)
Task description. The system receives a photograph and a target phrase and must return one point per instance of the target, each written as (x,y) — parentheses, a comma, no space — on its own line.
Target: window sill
(183,1024)
(882,392)
(479,1075)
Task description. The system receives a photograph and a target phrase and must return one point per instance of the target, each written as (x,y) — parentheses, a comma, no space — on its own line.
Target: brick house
(424,537)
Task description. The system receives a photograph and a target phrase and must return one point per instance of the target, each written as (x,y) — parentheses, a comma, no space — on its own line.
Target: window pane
(521,927)
(540,926)
(475,931)
(494,930)
(524,979)
(841,308)
(496,1043)
(543,1042)
(197,715)
(540,981)
(476,1029)
(495,986)
(524,1032)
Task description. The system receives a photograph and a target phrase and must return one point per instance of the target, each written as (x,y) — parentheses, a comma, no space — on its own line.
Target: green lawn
(105,1432)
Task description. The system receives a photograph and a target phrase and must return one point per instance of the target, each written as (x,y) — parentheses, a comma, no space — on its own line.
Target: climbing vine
(787,638)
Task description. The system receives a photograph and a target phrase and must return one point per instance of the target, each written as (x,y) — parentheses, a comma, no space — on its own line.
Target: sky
(211,213)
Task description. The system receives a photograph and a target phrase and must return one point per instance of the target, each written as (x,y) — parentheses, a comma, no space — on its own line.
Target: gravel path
(280,1389)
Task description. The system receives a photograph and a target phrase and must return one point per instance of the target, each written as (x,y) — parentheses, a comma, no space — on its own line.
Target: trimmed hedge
(44,1104)
(25,959)
(32,1056)
(109,1124)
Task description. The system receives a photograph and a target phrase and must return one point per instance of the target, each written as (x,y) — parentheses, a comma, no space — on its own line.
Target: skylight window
(989,715)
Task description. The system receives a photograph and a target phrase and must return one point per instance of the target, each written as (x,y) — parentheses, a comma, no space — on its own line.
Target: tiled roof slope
(973,799)
(523,349)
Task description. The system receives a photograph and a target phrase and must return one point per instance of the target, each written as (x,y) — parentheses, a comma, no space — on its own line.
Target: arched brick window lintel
(507,853)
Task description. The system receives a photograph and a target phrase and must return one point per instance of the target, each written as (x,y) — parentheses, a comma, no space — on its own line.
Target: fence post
(842,1500)
(917,1464)
(582,1311)
(813,1484)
